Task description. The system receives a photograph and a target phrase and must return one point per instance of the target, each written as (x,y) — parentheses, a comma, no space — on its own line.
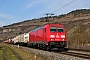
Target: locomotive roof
(37,28)
(47,24)
(56,25)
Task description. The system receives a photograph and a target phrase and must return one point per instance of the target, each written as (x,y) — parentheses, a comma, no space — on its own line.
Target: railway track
(80,53)
(84,50)
(84,56)
(74,55)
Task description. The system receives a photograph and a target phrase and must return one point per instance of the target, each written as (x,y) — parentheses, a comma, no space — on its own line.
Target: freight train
(47,37)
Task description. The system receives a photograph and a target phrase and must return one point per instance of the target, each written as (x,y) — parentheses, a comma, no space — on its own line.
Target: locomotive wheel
(61,49)
(48,48)
(43,46)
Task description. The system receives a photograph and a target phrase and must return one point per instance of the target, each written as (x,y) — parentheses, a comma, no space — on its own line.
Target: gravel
(52,55)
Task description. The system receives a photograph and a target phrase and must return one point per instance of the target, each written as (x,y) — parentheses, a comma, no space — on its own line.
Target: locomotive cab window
(53,29)
(60,29)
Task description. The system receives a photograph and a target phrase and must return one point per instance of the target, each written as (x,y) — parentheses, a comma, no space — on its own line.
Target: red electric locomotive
(48,36)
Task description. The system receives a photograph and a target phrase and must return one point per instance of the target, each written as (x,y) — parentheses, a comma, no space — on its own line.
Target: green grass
(9,54)
(1,54)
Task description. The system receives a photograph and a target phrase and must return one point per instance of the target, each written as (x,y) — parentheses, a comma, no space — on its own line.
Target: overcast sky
(13,11)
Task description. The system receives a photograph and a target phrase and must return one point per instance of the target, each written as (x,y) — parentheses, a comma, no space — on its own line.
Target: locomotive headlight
(52,39)
(62,36)
(52,36)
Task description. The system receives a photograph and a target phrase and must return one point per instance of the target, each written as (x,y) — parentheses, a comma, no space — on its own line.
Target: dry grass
(28,55)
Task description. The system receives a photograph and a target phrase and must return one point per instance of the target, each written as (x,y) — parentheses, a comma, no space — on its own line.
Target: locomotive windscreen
(60,29)
(54,29)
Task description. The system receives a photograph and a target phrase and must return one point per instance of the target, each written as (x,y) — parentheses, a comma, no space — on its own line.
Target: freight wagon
(26,38)
(16,40)
(20,39)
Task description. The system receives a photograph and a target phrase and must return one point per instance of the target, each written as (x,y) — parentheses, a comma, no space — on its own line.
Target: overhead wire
(55,5)
(64,5)
(85,5)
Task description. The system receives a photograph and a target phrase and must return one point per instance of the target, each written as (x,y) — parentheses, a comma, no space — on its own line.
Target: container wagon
(26,38)
(16,40)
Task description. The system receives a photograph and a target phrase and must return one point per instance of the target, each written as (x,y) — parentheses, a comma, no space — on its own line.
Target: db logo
(57,36)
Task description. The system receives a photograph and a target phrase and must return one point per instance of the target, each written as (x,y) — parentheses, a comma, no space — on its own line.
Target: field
(1,53)
(9,52)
